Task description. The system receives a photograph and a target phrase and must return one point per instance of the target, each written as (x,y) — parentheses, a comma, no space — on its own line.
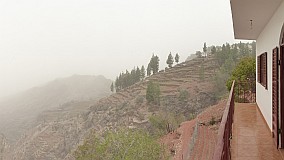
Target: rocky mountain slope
(60,131)
(19,112)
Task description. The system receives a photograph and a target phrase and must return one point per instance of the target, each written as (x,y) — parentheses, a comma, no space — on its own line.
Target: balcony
(243,133)
(251,137)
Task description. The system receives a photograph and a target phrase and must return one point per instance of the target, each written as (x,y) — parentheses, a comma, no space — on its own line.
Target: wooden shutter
(281,87)
(275,97)
(258,70)
(264,69)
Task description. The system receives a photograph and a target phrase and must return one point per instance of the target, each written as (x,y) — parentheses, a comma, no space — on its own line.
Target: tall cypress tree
(177,58)
(204,48)
(170,60)
(155,64)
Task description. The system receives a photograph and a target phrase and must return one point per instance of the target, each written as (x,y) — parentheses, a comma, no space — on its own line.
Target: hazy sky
(41,40)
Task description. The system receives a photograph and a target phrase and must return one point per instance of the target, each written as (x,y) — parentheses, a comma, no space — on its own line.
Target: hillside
(196,139)
(19,112)
(60,131)
(185,91)
(129,108)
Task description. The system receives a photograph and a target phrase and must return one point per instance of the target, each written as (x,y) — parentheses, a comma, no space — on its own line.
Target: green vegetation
(164,122)
(177,58)
(127,79)
(198,54)
(244,70)
(143,73)
(153,66)
(158,125)
(183,95)
(233,62)
(204,48)
(228,56)
(212,121)
(153,93)
(125,144)
(170,60)
(149,70)
(213,50)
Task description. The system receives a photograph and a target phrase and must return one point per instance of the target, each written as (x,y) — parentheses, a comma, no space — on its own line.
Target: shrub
(212,121)
(153,93)
(165,122)
(244,70)
(183,95)
(192,116)
(124,144)
(158,124)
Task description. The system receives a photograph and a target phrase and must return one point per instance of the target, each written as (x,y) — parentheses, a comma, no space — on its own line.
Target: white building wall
(266,42)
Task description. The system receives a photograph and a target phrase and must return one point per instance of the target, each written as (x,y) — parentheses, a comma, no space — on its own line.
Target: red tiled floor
(251,137)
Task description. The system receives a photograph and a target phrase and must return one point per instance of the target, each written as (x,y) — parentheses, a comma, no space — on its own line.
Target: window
(262,69)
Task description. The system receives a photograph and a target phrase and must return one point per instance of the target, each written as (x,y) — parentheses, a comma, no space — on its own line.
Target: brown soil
(178,141)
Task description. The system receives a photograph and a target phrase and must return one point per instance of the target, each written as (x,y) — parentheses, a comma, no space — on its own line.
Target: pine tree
(213,50)
(112,87)
(234,52)
(126,79)
(154,64)
(204,48)
(228,48)
(142,74)
(116,84)
(149,70)
(137,75)
(242,48)
(177,58)
(170,60)
(132,77)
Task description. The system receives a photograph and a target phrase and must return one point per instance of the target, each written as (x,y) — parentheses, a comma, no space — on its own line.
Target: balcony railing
(245,91)
(222,150)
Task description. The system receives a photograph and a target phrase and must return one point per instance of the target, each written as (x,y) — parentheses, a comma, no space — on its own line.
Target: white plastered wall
(266,42)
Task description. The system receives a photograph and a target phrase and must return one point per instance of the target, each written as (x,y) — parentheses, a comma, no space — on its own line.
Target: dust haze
(59,58)
(43,40)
